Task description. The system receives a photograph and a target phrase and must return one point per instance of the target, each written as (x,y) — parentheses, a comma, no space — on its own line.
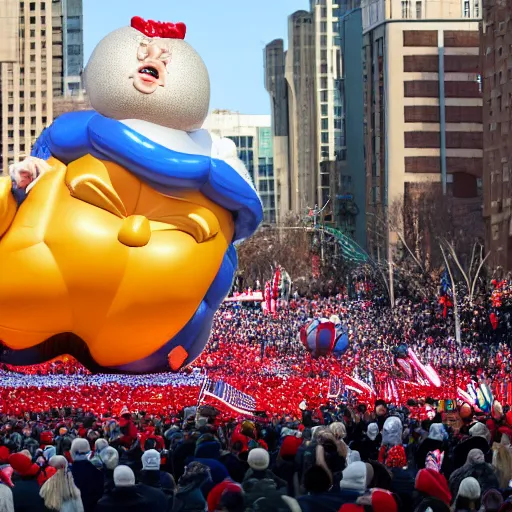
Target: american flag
(232,397)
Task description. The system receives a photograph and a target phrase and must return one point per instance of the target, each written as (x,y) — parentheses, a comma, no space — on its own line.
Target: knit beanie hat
(433,484)
(480,430)
(437,432)
(392,431)
(258,459)
(383,501)
(124,477)
(470,488)
(373,431)
(214,496)
(492,501)
(100,444)
(354,477)
(110,457)
(290,446)
(79,449)
(393,457)
(151,460)
(475,456)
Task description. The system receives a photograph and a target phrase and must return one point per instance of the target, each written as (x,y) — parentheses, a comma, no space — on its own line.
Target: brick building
(496,52)
(423,105)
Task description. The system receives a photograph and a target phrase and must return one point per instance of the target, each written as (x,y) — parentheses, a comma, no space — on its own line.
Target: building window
(325,137)
(467,13)
(477,9)
(323,82)
(10,108)
(73,23)
(323,41)
(323,55)
(32,20)
(43,20)
(405,9)
(418,10)
(325,123)
(323,27)
(324,96)
(74,49)
(325,109)
(325,151)
(33,6)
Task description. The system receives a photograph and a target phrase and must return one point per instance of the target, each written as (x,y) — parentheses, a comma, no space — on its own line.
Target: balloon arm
(8,204)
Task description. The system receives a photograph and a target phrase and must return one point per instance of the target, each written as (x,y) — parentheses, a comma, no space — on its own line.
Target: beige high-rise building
(300,77)
(25,83)
(423,103)
(43,60)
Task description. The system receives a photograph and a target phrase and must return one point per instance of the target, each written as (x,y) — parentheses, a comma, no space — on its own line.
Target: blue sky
(228,34)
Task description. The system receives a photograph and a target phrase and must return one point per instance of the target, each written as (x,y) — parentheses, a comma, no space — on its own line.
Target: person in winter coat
(152,477)
(479,439)
(354,481)
(285,467)
(259,460)
(25,493)
(475,467)
(86,477)
(59,492)
(431,484)
(110,460)
(469,497)
(436,440)
(189,496)
(6,500)
(317,484)
(126,496)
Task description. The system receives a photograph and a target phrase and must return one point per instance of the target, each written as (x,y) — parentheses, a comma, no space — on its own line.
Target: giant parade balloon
(322,337)
(117,233)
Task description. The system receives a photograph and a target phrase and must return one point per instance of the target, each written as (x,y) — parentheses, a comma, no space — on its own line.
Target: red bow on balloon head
(161,29)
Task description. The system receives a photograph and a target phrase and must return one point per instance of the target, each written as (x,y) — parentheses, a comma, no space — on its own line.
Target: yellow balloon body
(96,252)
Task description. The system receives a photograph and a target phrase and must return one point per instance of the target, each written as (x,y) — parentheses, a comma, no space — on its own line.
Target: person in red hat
(430,483)
(25,492)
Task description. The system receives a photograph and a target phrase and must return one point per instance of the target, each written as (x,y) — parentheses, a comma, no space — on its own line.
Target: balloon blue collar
(74,135)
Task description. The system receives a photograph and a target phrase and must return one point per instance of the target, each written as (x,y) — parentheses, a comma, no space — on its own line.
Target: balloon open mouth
(149,74)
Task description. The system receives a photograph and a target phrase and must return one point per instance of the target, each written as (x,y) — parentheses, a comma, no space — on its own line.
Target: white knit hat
(258,459)
(151,460)
(373,431)
(110,457)
(100,444)
(480,430)
(124,477)
(80,449)
(470,488)
(354,476)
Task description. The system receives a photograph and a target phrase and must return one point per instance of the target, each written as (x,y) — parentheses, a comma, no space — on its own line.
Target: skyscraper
(25,91)
(423,105)
(331,141)
(68,47)
(34,66)
(275,83)
(290,79)
(496,54)
(300,76)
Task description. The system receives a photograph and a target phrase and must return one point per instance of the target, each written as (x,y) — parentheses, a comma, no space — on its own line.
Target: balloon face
(68,265)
